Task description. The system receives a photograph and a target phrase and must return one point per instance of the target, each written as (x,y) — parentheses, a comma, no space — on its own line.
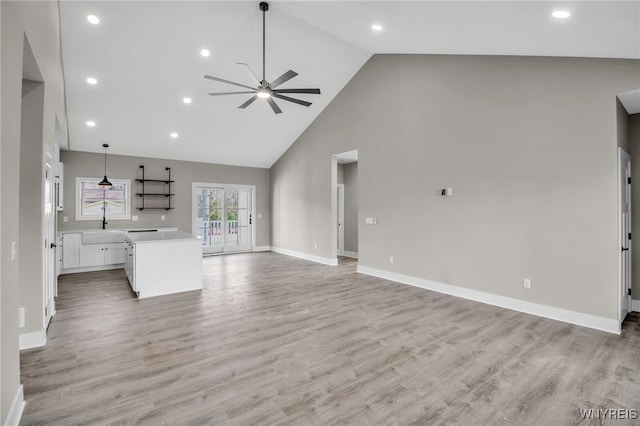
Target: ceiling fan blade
(249,71)
(296,101)
(311,91)
(284,77)
(228,82)
(274,106)
(249,102)
(228,93)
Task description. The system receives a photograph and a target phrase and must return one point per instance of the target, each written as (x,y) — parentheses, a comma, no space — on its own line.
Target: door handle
(625,249)
(53,245)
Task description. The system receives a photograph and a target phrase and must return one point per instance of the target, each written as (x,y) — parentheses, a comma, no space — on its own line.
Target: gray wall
(39,22)
(528,145)
(85,164)
(350,179)
(31,225)
(623,127)
(634,142)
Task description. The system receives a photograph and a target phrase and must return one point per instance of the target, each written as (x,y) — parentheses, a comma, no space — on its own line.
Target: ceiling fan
(266,90)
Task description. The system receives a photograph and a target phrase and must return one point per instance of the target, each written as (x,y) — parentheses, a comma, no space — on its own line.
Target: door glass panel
(210,218)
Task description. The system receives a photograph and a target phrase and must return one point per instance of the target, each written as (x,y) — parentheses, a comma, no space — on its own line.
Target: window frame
(127,198)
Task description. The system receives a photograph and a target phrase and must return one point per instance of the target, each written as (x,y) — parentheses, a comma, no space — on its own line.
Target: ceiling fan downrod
(264,6)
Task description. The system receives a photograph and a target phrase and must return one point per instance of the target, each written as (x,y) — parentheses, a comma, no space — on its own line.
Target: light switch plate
(65,219)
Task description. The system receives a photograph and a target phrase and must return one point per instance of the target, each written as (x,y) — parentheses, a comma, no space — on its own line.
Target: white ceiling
(146,58)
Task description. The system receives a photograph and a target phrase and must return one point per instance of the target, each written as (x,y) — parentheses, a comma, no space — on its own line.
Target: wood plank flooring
(278,340)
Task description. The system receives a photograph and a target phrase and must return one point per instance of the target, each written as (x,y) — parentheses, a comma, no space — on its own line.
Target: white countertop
(159,229)
(146,237)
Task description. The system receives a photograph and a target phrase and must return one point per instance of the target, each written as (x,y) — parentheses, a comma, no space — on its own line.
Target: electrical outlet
(14,250)
(65,219)
(134,218)
(390,259)
(161,217)
(315,245)
(20,317)
(526,283)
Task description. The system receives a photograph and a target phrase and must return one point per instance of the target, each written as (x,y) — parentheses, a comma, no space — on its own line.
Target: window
(91,199)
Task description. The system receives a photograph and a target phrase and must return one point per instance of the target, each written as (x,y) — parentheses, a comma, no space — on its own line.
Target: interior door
(49,241)
(238,220)
(624,166)
(340,219)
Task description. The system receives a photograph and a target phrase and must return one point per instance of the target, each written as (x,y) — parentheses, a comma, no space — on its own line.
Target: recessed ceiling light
(92,80)
(91,123)
(561,14)
(186,100)
(205,52)
(174,135)
(93,19)
(376,27)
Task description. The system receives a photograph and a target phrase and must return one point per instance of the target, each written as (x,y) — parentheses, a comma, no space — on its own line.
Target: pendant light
(105,182)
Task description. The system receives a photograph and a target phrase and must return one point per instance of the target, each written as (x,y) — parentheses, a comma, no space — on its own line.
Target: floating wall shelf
(154,191)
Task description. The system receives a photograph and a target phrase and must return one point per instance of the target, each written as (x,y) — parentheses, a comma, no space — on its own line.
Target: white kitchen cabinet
(71,242)
(97,249)
(163,263)
(101,254)
(81,254)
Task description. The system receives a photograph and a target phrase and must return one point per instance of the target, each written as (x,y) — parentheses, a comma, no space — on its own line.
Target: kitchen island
(165,262)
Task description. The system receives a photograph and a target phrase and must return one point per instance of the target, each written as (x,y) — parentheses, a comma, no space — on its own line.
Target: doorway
(223,216)
(346,206)
(624,198)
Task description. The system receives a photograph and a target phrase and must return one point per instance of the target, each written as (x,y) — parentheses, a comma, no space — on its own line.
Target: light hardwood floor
(277,340)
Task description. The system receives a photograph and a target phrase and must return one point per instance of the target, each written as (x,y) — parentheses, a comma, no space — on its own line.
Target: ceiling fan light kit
(266,90)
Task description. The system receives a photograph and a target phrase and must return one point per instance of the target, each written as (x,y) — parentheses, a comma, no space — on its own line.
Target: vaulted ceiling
(146,58)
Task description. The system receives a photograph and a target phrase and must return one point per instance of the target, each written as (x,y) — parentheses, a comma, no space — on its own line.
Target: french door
(223,217)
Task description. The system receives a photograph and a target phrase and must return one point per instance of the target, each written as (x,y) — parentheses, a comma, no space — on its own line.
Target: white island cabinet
(166,262)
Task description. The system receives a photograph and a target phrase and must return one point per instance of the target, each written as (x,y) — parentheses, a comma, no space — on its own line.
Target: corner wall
(39,22)
(528,145)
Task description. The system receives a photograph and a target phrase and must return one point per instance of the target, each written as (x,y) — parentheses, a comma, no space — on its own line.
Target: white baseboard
(351,254)
(91,269)
(635,305)
(32,340)
(571,317)
(324,260)
(262,248)
(17,407)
